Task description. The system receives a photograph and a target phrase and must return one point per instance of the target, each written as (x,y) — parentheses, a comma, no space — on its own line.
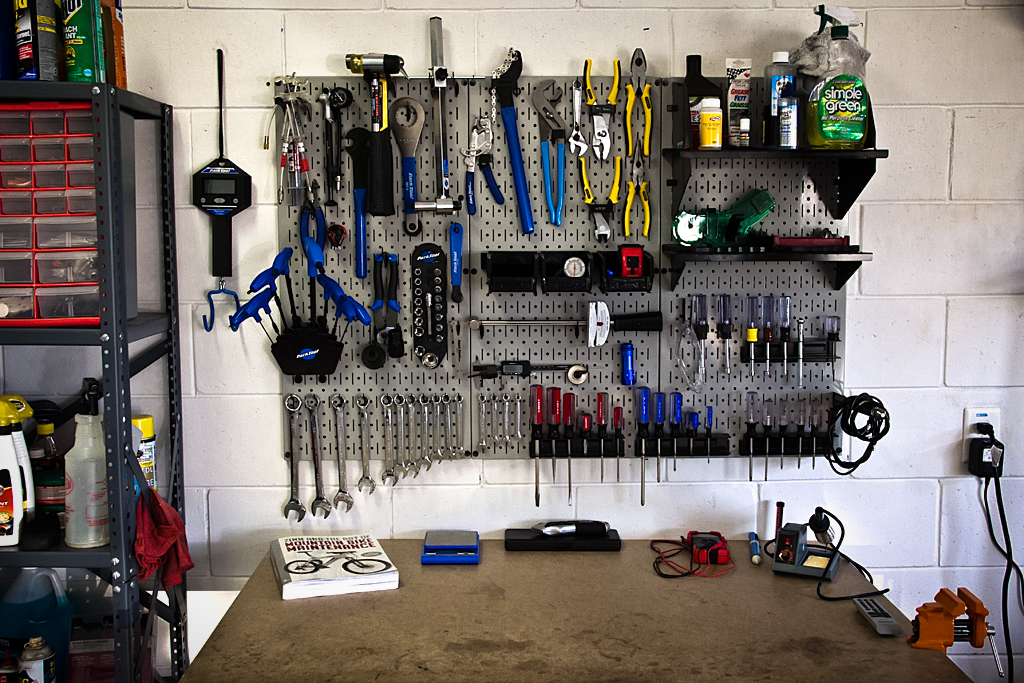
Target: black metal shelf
(844,264)
(770,153)
(60,556)
(145,325)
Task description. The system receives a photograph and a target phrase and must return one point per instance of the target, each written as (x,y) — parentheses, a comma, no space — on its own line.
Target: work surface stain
(481,646)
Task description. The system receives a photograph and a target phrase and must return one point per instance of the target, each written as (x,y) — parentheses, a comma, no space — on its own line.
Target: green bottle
(837,108)
(83,41)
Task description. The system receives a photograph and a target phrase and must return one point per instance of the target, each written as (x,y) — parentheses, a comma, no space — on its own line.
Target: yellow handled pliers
(637,185)
(601,114)
(638,87)
(603,212)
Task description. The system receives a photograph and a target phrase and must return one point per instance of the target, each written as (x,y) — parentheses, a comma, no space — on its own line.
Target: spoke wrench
(293,403)
(320,503)
(341,448)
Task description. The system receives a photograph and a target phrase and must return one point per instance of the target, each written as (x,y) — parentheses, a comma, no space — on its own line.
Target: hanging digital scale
(221,189)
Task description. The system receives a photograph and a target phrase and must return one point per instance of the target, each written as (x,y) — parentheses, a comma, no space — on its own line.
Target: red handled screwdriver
(617,426)
(569,420)
(554,419)
(602,426)
(536,433)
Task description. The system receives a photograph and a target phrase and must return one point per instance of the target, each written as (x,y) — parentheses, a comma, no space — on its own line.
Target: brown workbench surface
(560,616)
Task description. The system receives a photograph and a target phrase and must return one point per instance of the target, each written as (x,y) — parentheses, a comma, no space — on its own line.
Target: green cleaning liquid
(837,108)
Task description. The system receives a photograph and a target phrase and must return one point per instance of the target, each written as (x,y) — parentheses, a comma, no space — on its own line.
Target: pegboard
(495,227)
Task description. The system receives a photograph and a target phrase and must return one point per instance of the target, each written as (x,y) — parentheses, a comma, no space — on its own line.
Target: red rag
(160,541)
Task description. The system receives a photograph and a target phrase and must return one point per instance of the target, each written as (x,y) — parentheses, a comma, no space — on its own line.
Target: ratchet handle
(471,192)
(380,200)
(492,185)
(359,206)
(409,183)
(515,154)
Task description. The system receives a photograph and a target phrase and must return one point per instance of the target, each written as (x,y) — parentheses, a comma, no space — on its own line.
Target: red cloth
(160,541)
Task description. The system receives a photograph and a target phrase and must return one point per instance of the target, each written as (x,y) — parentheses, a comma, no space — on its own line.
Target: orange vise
(936,625)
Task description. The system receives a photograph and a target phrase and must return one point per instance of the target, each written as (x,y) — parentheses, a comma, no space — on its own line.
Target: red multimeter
(708,547)
(632,261)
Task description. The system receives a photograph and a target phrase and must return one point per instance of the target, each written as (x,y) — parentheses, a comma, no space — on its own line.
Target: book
(313,566)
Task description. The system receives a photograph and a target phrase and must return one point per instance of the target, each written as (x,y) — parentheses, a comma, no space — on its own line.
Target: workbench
(556,616)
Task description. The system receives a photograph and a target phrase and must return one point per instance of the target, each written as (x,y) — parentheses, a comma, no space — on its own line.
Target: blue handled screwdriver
(676,418)
(659,427)
(643,408)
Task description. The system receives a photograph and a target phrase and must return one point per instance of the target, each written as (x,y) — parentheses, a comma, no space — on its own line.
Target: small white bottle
(85,501)
(12,509)
(711,123)
(25,464)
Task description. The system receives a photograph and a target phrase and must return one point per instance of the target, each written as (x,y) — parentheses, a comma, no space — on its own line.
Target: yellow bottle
(838,106)
(711,123)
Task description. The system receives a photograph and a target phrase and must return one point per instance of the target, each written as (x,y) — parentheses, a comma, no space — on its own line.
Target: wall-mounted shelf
(844,265)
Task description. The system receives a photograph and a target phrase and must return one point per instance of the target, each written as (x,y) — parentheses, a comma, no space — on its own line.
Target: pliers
(637,185)
(503,87)
(577,143)
(638,87)
(601,114)
(481,139)
(603,213)
(552,130)
(385,312)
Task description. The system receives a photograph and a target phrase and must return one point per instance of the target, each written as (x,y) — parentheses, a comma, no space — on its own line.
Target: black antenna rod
(220,101)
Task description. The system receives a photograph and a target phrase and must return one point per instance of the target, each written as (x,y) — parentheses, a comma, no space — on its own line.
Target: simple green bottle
(837,108)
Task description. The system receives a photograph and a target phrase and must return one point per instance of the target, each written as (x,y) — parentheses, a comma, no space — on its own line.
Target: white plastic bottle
(25,464)
(711,123)
(12,503)
(85,501)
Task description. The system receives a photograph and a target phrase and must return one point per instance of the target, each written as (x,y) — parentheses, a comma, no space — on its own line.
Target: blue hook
(209,297)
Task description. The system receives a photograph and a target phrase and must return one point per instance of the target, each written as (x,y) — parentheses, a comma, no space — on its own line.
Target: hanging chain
(495,75)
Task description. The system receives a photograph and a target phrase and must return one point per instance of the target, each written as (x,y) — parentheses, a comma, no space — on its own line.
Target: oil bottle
(85,502)
(12,509)
(837,108)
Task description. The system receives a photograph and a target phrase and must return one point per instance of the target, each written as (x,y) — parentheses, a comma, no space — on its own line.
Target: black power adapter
(985,458)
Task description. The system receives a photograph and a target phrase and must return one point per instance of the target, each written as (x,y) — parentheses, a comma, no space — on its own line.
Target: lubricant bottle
(837,108)
(12,501)
(697,88)
(37,39)
(28,486)
(85,501)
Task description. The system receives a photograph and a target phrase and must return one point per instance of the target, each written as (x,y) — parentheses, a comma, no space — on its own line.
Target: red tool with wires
(706,548)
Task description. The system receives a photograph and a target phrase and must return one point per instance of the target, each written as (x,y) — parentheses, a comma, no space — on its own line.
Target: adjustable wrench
(320,503)
(341,447)
(389,435)
(577,143)
(293,403)
(425,434)
(362,402)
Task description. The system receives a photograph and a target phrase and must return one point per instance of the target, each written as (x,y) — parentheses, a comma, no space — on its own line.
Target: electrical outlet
(972,416)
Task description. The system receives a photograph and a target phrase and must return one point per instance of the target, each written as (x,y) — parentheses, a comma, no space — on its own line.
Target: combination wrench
(389,434)
(447,401)
(320,503)
(363,403)
(404,442)
(293,403)
(437,448)
(425,434)
(341,447)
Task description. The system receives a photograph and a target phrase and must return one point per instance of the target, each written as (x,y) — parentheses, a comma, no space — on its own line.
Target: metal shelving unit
(115,112)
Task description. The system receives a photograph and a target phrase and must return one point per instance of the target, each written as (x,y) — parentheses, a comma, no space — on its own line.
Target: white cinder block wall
(934,321)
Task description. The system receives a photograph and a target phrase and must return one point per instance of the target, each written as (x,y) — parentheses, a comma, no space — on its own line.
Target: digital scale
(451,547)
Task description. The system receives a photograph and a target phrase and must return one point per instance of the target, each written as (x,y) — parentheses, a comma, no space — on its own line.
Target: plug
(985,459)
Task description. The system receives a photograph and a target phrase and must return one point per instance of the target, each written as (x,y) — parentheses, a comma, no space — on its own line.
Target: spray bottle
(85,502)
(14,409)
(11,499)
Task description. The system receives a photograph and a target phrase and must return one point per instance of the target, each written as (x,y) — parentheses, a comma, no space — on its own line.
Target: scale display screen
(218,186)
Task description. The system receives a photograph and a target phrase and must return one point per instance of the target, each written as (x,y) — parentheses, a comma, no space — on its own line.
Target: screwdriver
(751,426)
(675,418)
(725,329)
(659,427)
(753,322)
(784,321)
(692,425)
(569,420)
(554,419)
(699,323)
(707,431)
(815,426)
(619,442)
(800,350)
(602,426)
(585,431)
(783,428)
(769,334)
(801,427)
(767,420)
(643,408)
(832,335)
(536,433)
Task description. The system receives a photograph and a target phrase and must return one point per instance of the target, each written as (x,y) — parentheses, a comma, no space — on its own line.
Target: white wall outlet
(972,416)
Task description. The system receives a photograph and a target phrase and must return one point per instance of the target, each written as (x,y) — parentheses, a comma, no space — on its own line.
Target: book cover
(311,566)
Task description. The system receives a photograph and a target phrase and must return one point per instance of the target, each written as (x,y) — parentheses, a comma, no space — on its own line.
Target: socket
(972,416)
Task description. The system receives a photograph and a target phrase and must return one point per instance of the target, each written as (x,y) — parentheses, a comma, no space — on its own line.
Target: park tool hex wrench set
(656,352)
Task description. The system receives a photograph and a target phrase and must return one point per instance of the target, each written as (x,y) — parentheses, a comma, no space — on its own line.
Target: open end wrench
(482,402)
(404,456)
(460,427)
(424,460)
(320,503)
(363,403)
(389,435)
(293,403)
(448,442)
(341,447)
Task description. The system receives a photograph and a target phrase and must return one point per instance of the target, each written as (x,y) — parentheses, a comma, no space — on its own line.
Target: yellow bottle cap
(19,404)
(9,412)
(44,428)
(145,425)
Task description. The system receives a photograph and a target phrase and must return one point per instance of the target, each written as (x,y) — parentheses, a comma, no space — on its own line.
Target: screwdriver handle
(536,404)
(601,417)
(554,406)
(568,409)
(677,408)
(585,424)
(659,408)
(617,418)
(643,413)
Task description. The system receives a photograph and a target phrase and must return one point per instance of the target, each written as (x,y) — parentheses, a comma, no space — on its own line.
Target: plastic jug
(36,605)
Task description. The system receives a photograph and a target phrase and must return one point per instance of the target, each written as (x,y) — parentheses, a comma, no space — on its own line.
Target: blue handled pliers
(552,131)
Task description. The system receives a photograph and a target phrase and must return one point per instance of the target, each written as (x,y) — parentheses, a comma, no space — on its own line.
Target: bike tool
(251,309)
(455,245)
(603,213)
(601,114)
(753,323)
(536,434)
(552,131)
(481,140)
(785,304)
(385,308)
(311,209)
(222,189)
(504,84)
(768,330)
(643,409)
(724,328)
(575,374)
(768,420)
(333,101)
(343,305)
(602,425)
(699,324)
(751,420)
(783,420)
(637,186)
(376,68)
(554,422)
(358,147)
(407,118)
(675,417)
(293,102)
(638,88)
(577,143)
(443,204)
(659,428)
(280,266)
(569,421)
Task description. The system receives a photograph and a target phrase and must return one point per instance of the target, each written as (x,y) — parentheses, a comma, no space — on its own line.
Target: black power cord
(820,526)
(1011,566)
(845,415)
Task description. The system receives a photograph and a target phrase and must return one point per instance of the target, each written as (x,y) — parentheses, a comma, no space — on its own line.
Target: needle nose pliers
(552,130)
